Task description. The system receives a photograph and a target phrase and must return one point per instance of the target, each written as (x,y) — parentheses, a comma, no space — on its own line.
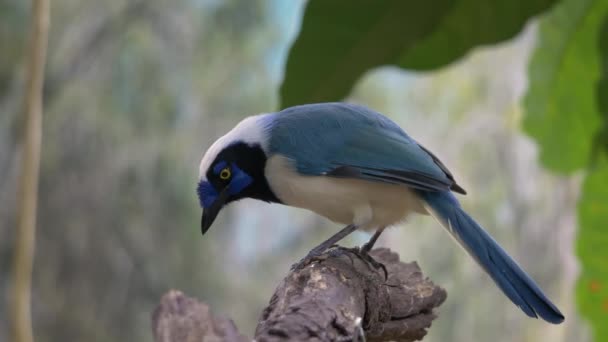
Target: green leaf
(342,39)
(601,138)
(561,106)
(471,23)
(592,287)
(565,104)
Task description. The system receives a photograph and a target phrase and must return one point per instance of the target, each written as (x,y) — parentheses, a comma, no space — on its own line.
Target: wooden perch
(340,297)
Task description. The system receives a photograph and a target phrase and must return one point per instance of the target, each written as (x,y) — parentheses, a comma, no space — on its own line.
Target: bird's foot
(320,255)
(334,251)
(315,253)
(363,254)
(312,256)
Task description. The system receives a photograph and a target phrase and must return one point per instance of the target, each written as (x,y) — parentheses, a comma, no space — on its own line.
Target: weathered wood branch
(340,297)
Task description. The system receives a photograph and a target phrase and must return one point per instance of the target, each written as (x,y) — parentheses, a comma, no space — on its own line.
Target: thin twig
(28,183)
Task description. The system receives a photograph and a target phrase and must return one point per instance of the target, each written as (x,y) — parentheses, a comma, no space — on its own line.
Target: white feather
(367,204)
(250,130)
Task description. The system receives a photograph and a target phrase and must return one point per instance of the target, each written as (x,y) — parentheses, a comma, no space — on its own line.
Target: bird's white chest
(365,203)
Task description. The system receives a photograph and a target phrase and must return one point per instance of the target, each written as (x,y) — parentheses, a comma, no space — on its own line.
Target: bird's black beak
(210,213)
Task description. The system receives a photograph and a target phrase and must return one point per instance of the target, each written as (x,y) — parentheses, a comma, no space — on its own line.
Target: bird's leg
(367,247)
(315,252)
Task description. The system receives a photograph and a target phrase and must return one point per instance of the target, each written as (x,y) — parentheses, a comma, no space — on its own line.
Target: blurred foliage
(341,40)
(600,143)
(563,76)
(567,113)
(592,289)
(128,102)
(13,30)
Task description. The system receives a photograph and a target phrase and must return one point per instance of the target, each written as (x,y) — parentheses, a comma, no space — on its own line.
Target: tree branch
(28,182)
(340,297)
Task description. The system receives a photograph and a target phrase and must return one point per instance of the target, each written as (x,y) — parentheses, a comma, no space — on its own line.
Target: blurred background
(136,91)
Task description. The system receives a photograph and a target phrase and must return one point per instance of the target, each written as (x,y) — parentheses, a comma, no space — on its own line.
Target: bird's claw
(315,255)
(335,250)
(376,264)
(363,254)
(307,260)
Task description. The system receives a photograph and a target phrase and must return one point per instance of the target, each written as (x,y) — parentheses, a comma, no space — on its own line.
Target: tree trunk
(341,297)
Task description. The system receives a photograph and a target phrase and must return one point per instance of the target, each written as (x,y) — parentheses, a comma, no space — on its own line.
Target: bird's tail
(511,279)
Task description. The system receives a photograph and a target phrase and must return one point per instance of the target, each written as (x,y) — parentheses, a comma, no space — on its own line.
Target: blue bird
(356,167)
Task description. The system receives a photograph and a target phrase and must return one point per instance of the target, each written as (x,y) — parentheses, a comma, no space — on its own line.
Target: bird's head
(233,168)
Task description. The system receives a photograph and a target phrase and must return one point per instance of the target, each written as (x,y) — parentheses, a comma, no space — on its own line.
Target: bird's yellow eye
(225,173)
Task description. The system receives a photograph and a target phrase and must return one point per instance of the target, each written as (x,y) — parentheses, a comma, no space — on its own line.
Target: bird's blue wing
(345,140)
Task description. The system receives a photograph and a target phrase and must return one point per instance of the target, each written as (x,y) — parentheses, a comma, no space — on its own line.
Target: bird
(356,167)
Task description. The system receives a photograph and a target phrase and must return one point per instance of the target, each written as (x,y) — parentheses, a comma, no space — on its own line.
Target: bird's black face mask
(236,173)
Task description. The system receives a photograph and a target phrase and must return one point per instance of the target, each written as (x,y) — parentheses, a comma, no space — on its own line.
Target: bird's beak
(210,213)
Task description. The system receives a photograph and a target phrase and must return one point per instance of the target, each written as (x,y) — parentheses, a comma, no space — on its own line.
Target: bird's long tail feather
(511,279)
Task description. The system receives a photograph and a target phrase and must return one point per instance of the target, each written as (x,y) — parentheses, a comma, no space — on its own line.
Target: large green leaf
(471,23)
(562,110)
(566,101)
(601,138)
(592,289)
(342,39)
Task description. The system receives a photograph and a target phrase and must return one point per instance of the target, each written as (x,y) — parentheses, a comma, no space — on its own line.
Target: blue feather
(206,194)
(505,272)
(346,140)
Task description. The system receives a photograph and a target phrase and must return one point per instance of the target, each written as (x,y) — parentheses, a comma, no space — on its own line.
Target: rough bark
(340,297)
(184,319)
